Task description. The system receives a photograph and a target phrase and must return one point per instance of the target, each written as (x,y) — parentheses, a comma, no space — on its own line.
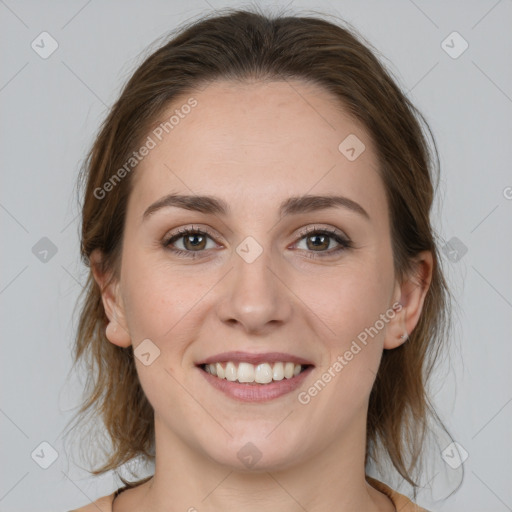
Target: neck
(333,479)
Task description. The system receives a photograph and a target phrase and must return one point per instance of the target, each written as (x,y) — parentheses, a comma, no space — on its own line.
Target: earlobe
(396,334)
(116,331)
(117,334)
(412,291)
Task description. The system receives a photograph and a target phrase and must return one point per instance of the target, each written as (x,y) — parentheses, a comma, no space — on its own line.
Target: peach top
(402,503)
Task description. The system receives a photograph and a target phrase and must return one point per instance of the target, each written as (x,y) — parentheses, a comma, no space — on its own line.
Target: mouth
(255,377)
(261,374)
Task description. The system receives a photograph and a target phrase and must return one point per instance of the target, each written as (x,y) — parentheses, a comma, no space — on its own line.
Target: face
(306,281)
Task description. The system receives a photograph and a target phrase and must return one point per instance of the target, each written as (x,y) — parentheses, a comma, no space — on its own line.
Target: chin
(257,453)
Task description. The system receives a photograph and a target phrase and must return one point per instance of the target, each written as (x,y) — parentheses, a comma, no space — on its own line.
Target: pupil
(318,244)
(194,244)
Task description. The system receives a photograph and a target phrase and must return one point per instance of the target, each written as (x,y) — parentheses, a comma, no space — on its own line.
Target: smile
(263,373)
(243,386)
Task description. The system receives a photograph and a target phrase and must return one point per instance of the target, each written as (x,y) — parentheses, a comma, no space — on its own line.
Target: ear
(409,297)
(117,329)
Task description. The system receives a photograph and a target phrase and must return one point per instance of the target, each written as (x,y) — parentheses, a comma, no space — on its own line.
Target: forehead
(256,143)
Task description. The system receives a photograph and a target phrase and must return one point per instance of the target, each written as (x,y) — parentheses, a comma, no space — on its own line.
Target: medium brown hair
(240,45)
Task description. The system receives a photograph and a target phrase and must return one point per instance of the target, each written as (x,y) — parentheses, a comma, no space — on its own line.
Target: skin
(254,145)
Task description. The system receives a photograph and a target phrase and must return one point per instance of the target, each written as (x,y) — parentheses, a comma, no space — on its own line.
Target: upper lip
(251,357)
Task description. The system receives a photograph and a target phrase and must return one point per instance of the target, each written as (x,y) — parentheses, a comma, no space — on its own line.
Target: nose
(255,297)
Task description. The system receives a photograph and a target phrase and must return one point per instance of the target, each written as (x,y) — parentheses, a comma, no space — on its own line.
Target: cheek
(156,297)
(349,300)
(350,304)
(351,307)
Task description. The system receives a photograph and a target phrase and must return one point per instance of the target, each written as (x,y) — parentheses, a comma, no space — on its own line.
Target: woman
(265,301)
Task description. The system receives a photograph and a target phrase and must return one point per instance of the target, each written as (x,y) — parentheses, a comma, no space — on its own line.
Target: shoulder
(401,502)
(103,504)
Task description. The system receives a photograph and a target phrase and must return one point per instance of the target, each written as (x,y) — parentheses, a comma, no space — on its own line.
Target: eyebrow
(291,206)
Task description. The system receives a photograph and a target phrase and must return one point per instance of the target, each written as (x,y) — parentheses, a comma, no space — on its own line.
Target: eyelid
(187,229)
(343,241)
(300,233)
(329,229)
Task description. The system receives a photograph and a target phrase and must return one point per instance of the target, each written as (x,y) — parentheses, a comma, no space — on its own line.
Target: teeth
(288,370)
(263,373)
(231,373)
(245,372)
(219,370)
(278,371)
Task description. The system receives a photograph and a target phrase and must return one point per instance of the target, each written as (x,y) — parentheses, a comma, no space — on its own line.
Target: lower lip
(256,392)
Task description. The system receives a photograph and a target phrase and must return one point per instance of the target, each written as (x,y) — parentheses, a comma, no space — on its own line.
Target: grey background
(50,110)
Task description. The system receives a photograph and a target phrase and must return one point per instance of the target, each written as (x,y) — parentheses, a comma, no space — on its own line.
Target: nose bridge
(255,296)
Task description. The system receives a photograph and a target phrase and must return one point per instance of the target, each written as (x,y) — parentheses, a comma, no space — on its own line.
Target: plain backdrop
(51,109)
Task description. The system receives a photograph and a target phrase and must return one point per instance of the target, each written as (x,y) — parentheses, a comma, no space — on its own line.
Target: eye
(318,240)
(193,240)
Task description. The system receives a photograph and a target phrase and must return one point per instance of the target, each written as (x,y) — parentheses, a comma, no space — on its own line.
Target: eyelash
(344,243)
